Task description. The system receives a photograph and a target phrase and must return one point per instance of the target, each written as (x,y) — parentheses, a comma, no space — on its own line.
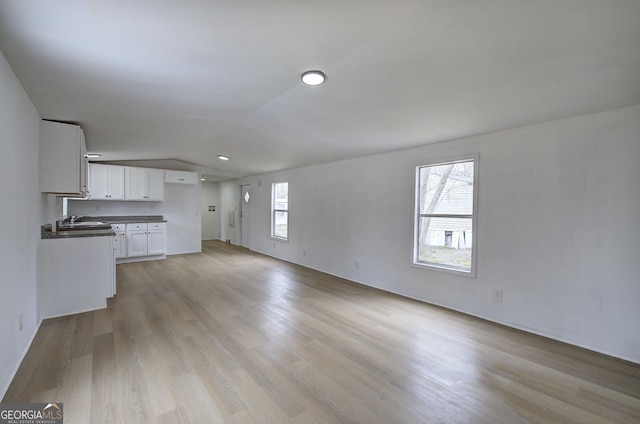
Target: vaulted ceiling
(189,80)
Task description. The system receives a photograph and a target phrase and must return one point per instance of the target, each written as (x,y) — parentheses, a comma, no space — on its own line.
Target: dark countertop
(46,233)
(125,219)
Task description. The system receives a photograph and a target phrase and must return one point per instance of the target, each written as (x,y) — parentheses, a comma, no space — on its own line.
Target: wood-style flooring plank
(232,336)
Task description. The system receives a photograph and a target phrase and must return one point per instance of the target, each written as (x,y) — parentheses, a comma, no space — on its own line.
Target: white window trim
(474,220)
(274,210)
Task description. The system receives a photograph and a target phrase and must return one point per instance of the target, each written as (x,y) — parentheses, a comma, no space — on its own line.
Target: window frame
(417,215)
(274,210)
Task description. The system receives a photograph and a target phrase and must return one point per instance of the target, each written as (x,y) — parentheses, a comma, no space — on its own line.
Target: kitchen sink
(85,225)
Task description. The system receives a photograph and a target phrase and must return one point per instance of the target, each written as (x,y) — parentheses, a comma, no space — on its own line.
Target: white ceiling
(188,80)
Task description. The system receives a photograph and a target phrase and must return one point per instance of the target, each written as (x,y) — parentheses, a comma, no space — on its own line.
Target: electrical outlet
(304,252)
(20,322)
(357,264)
(497,295)
(274,245)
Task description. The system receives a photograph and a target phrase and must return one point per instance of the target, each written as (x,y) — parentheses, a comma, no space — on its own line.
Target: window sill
(429,267)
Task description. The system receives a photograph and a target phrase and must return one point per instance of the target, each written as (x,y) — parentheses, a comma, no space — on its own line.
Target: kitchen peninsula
(78,259)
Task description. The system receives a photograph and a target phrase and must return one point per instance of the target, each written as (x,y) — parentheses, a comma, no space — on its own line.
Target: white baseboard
(506,324)
(139,259)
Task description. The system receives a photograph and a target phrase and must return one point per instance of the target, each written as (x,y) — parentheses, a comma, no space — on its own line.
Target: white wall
(210,196)
(23,210)
(181,209)
(557,231)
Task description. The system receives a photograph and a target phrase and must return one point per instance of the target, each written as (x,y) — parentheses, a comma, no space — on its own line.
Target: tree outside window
(445,220)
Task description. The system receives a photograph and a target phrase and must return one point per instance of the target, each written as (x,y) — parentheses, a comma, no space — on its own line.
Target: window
(280,211)
(445,219)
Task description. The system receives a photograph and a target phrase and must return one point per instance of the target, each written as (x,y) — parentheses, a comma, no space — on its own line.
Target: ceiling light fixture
(223,157)
(93,155)
(313,77)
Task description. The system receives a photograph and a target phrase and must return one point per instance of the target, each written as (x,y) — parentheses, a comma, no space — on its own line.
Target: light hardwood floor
(230,336)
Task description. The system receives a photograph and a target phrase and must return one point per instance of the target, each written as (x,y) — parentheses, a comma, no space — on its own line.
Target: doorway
(210,211)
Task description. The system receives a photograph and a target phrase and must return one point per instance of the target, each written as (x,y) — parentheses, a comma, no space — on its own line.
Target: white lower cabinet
(146,240)
(120,240)
(136,240)
(156,238)
(77,275)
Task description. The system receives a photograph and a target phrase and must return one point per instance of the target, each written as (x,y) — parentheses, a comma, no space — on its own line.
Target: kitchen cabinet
(146,239)
(144,184)
(106,182)
(63,159)
(180,177)
(136,240)
(156,238)
(120,240)
(77,275)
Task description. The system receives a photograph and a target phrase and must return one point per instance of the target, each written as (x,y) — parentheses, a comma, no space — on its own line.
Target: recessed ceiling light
(202,179)
(223,157)
(93,155)
(313,77)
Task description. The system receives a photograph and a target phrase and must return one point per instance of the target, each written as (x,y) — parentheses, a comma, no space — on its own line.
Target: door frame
(244,238)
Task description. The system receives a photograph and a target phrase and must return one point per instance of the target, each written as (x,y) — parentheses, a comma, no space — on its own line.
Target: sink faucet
(74,218)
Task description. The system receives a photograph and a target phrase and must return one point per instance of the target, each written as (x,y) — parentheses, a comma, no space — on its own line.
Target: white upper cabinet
(156,184)
(181,177)
(63,159)
(106,182)
(144,184)
(136,183)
